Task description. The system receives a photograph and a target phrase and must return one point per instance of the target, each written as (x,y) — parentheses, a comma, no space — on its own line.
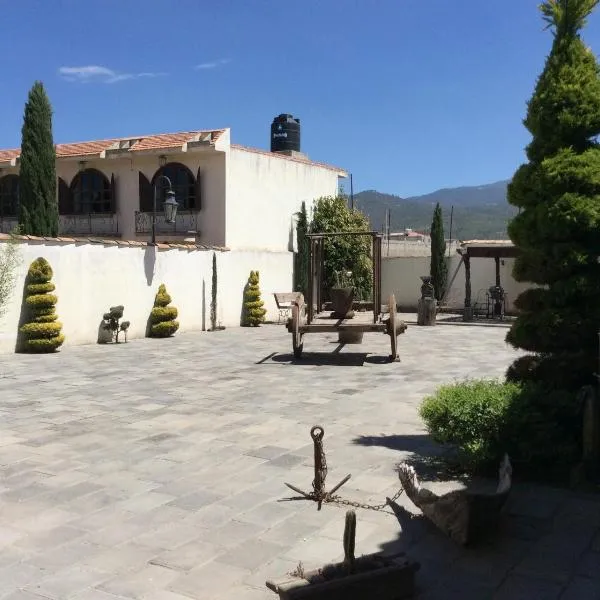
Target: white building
(228,195)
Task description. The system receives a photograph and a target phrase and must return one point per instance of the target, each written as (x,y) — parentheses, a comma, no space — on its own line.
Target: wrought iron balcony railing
(89,224)
(186,221)
(8,224)
(86,224)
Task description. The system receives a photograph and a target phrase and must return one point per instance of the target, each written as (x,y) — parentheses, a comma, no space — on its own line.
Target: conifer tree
(38,207)
(43,331)
(302,255)
(438,266)
(253,306)
(558,194)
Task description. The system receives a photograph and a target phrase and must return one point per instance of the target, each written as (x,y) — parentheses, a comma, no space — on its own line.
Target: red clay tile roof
(306,161)
(139,144)
(8,154)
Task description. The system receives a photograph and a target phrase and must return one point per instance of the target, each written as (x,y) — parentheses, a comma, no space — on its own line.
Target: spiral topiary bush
(162,317)
(43,331)
(253,305)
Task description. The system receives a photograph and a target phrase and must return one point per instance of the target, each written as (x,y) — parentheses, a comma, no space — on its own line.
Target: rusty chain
(377,507)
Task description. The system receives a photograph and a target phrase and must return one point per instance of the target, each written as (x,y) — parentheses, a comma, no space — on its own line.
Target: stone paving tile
(121,477)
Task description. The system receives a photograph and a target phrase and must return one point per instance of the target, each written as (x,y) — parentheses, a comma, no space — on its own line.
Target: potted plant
(373,576)
(342,295)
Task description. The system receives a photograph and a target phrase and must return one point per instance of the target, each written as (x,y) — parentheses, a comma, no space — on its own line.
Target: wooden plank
(316,327)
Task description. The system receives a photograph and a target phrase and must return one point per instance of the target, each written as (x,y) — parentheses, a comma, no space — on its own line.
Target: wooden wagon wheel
(297,321)
(393,327)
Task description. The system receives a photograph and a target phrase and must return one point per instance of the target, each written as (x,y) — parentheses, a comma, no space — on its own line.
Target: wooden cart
(308,315)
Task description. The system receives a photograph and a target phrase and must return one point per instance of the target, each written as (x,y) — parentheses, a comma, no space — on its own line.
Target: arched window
(92,192)
(185,186)
(9,195)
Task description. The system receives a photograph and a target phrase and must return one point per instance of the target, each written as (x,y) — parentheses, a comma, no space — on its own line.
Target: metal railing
(8,224)
(86,224)
(186,221)
(92,224)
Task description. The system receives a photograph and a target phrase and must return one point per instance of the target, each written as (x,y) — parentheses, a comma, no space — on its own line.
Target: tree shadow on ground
(431,461)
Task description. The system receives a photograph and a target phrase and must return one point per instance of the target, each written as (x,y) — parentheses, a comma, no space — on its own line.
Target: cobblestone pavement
(153,469)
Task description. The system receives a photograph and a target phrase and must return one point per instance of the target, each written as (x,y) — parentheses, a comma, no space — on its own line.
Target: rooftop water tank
(285,134)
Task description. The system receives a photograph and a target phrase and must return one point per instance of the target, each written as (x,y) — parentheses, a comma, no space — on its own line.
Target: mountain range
(480,212)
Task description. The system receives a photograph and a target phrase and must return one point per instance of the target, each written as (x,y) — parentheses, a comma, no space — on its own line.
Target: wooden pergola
(496,249)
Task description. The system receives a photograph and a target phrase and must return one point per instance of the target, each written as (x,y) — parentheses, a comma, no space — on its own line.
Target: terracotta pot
(341,300)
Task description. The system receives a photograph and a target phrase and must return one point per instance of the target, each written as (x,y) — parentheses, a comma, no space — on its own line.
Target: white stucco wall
(264,191)
(90,278)
(400,276)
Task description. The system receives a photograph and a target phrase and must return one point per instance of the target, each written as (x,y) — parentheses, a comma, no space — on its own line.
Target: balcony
(96,224)
(186,222)
(8,224)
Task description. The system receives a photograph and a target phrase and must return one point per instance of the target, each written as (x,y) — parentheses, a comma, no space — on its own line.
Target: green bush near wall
(162,317)
(43,331)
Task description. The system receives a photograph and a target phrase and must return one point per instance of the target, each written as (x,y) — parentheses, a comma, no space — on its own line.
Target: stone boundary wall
(91,275)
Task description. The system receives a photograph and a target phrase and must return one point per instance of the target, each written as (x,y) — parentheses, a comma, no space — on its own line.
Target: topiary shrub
(43,331)
(483,419)
(254,313)
(110,323)
(162,317)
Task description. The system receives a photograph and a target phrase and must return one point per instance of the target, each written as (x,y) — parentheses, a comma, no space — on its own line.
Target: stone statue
(427,305)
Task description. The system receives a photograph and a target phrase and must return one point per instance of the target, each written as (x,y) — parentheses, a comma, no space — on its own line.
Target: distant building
(228,195)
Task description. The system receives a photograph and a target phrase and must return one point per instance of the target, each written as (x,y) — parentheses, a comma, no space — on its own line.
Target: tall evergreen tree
(439,267)
(38,207)
(302,255)
(558,192)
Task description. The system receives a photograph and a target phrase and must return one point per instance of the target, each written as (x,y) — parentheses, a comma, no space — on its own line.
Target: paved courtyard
(154,469)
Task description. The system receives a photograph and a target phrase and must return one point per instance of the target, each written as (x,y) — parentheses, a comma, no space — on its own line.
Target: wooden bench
(284,302)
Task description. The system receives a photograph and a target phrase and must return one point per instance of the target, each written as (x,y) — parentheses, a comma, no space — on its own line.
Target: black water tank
(285,134)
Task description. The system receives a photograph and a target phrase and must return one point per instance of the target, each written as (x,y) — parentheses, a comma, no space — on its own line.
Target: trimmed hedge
(540,428)
(162,317)
(43,331)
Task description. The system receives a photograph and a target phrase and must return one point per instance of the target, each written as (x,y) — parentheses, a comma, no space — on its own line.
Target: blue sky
(409,95)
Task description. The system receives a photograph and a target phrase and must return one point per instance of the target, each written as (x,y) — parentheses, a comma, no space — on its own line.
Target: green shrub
(43,331)
(254,313)
(162,317)
(482,419)
(111,322)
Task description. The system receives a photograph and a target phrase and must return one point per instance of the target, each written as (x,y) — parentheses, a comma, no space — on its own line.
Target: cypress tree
(38,207)
(558,192)
(439,267)
(302,255)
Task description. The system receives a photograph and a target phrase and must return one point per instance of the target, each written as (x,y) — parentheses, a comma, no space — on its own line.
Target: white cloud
(213,64)
(100,74)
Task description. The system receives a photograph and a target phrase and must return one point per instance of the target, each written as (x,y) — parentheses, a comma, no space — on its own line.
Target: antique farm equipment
(308,315)
(319,494)
(373,576)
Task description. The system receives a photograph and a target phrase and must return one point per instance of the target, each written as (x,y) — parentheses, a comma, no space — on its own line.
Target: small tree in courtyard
(38,207)
(558,193)
(344,253)
(254,313)
(162,316)
(301,266)
(439,266)
(43,331)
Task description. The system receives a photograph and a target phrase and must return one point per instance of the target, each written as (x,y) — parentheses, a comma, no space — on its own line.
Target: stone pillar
(427,305)
(426,311)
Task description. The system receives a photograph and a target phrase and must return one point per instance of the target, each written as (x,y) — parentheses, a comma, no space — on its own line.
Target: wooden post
(497,260)
(468,310)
